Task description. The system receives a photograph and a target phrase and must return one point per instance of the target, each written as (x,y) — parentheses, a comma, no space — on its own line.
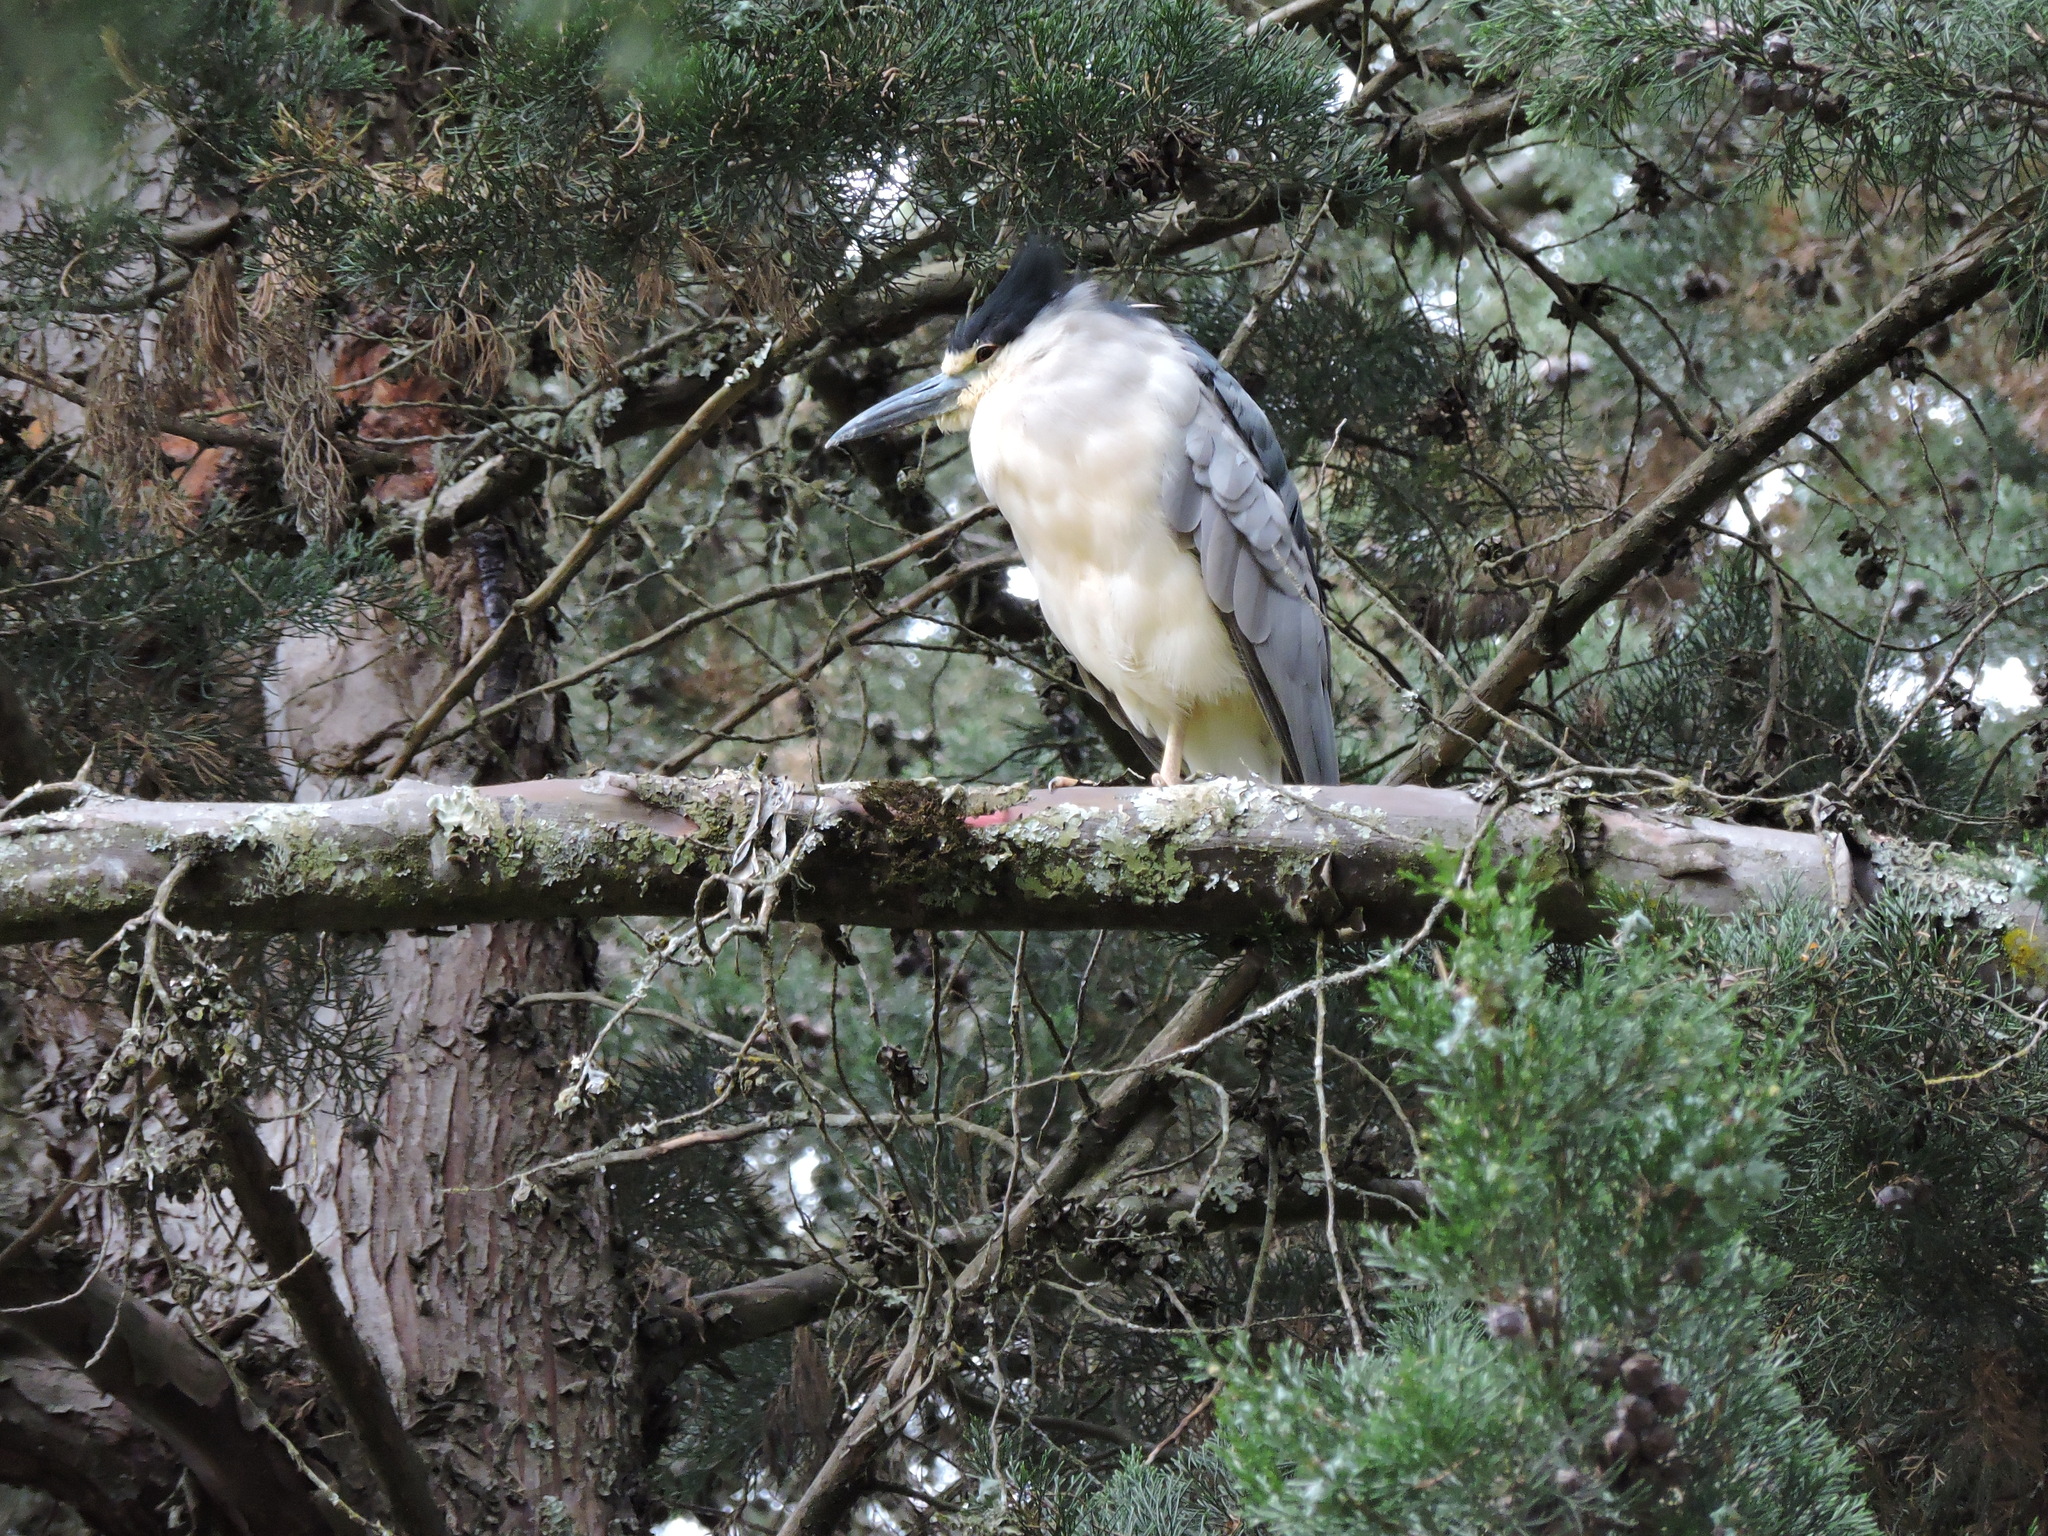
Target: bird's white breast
(1074,439)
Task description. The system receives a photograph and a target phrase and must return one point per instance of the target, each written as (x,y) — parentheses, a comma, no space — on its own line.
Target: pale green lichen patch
(1209,808)
(1067,850)
(1955,885)
(296,844)
(722,807)
(986,799)
(1145,849)
(468,828)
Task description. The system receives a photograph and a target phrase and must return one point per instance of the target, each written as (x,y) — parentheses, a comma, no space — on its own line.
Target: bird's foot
(1170,760)
(1061,781)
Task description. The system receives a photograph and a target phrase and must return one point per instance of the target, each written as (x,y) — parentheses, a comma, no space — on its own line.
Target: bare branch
(299,1273)
(1961,277)
(825,654)
(668,634)
(432,522)
(1571,299)
(1215,856)
(146,1363)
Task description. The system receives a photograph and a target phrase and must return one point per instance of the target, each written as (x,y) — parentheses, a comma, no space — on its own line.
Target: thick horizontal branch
(1216,856)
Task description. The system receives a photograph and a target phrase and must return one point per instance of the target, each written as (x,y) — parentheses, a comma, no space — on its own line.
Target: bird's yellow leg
(1169,759)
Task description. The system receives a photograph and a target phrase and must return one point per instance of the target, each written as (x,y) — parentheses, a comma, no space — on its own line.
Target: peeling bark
(1216,856)
(298,1271)
(64,1438)
(500,1328)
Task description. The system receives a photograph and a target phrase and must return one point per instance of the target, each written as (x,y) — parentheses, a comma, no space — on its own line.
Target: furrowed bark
(145,1362)
(1961,277)
(1093,1140)
(1217,857)
(300,1274)
(499,1325)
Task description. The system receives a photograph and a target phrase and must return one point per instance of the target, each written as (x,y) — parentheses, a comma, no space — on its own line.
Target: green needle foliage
(1913,1223)
(1581,1332)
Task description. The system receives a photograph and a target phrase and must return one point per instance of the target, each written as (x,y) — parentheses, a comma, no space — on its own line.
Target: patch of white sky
(1770,488)
(890,208)
(2005,688)
(1018,580)
(1438,303)
(791,1182)
(1938,405)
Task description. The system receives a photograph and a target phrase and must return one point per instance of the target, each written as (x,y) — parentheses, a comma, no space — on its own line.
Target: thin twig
(1568,298)
(1912,715)
(765,364)
(1228,356)
(669,633)
(819,659)
(1329,1172)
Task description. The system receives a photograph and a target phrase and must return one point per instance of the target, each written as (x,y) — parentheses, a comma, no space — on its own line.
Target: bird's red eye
(984,352)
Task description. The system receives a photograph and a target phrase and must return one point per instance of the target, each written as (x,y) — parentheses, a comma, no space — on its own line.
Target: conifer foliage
(434,394)
(1581,1332)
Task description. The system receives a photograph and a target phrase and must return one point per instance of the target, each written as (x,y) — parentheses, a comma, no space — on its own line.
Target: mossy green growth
(1144,848)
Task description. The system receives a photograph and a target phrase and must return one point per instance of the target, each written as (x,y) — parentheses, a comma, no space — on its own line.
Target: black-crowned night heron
(1151,501)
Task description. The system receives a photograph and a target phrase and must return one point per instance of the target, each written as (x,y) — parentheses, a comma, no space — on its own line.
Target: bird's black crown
(1035,279)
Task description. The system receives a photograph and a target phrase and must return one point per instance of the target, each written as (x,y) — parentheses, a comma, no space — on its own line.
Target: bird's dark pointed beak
(920,402)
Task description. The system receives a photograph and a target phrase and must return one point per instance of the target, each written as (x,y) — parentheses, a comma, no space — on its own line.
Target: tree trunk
(503,1329)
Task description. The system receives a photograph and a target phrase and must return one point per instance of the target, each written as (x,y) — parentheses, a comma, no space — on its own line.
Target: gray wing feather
(1234,501)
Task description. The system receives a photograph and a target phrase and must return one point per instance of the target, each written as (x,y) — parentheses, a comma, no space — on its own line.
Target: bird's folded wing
(1235,503)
